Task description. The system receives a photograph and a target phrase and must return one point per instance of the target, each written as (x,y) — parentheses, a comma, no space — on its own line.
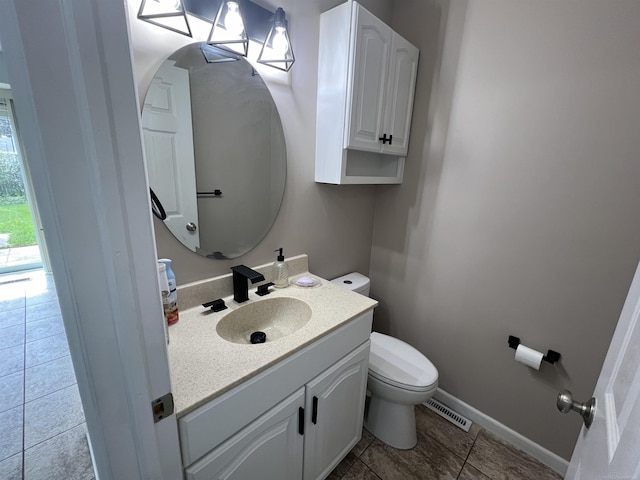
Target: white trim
(538,452)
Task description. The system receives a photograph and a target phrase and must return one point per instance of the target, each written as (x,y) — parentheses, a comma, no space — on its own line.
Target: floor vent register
(448,414)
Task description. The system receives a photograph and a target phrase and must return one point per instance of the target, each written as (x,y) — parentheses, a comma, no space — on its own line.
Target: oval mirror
(215,149)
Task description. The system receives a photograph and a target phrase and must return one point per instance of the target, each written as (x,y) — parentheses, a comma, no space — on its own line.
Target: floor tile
(12,294)
(11,316)
(343,467)
(51,415)
(39,296)
(11,336)
(42,310)
(11,391)
(48,377)
(63,457)
(359,471)
(47,327)
(10,432)
(46,349)
(471,473)
(501,461)
(11,468)
(427,460)
(445,432)
(11,360)
(363,444)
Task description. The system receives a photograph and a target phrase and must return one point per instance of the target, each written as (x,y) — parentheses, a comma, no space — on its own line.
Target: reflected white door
(168,140)
(610,447)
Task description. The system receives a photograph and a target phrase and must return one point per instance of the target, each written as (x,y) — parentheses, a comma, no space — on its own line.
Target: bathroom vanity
(290,408)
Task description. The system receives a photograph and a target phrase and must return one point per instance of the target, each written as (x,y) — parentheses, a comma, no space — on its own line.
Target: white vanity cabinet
(296,420)
(366,82)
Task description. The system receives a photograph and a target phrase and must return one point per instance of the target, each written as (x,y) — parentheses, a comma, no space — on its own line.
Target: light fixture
(228,31)
(169,14)
(276,50)
(233,24)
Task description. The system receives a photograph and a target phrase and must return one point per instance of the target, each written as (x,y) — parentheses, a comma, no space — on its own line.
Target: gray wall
(333,224)
(519,212)
(4,77)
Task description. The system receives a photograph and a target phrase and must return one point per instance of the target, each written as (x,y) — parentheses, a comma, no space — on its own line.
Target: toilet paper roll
(528,356)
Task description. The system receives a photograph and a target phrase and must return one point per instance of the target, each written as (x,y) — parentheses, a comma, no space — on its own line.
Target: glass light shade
(169,14)
(276,50)
(233,20)
(228,29)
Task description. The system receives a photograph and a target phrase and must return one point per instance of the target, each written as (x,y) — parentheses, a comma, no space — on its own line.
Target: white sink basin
(276,317)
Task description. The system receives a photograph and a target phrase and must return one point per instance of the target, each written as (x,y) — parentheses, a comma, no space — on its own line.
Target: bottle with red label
(171,303)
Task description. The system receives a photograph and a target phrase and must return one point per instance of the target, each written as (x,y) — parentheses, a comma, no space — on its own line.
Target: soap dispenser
(280,271)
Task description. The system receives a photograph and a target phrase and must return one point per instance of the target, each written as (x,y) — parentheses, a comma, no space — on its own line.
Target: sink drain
(258,337)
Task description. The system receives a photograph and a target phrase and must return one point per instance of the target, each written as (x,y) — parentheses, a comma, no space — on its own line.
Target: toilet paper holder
(551,356)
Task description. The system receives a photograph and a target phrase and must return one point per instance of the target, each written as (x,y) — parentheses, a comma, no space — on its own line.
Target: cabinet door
(370,63)
(335,409)
(269,447)
(399,100)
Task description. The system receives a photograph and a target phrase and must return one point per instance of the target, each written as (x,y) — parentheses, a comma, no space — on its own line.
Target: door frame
(70,66)
(5,92)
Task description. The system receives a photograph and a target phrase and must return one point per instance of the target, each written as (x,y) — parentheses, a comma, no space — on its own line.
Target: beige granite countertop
(203,365)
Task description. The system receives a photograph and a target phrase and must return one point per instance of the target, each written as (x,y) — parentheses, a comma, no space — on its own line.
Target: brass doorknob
(587,410)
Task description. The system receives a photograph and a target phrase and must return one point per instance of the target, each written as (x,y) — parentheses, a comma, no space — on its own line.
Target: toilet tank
(354,281)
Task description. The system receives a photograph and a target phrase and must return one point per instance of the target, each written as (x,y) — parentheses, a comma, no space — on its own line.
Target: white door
(610,447)
(79,118)
(335,411)
(168,139)
(271,445)
(370,65)
(401,86)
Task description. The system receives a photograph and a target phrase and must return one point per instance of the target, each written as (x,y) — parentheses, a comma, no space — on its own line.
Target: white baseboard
(550,459)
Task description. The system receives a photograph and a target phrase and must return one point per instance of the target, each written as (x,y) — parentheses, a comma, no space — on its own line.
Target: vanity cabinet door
(269,447)
(399,99)
(335,410)
(370,66)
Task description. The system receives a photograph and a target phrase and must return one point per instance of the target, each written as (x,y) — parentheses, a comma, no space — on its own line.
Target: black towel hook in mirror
(156,206)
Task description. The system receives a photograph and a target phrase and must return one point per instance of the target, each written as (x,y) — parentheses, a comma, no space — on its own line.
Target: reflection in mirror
(215,151)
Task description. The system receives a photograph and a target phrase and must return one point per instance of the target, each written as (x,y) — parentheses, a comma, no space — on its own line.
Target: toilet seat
(397,363)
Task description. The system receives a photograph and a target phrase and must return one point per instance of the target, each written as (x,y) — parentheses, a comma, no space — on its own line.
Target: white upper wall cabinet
(366,80)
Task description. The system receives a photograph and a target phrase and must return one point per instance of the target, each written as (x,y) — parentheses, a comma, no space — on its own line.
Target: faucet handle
(215,305)
(264,289)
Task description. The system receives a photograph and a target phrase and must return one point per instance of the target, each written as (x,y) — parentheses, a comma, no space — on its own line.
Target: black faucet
(241,274)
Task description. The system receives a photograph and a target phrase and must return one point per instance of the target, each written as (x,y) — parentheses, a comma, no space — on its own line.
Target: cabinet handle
(314,412)
(384,139)
(301,421)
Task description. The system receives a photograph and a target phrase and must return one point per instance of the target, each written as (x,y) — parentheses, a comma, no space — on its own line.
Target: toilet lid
(400,363)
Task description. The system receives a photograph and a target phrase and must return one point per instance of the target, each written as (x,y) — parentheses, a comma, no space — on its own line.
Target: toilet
(400,377)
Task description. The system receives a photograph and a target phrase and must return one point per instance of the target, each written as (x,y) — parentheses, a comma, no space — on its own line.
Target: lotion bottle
(171,307)
(280,271)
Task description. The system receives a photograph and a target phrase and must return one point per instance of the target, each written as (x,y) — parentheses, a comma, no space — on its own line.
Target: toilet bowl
(400,377)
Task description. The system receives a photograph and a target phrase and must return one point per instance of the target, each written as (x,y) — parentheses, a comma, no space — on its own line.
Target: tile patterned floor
(443,452)
(42,426)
